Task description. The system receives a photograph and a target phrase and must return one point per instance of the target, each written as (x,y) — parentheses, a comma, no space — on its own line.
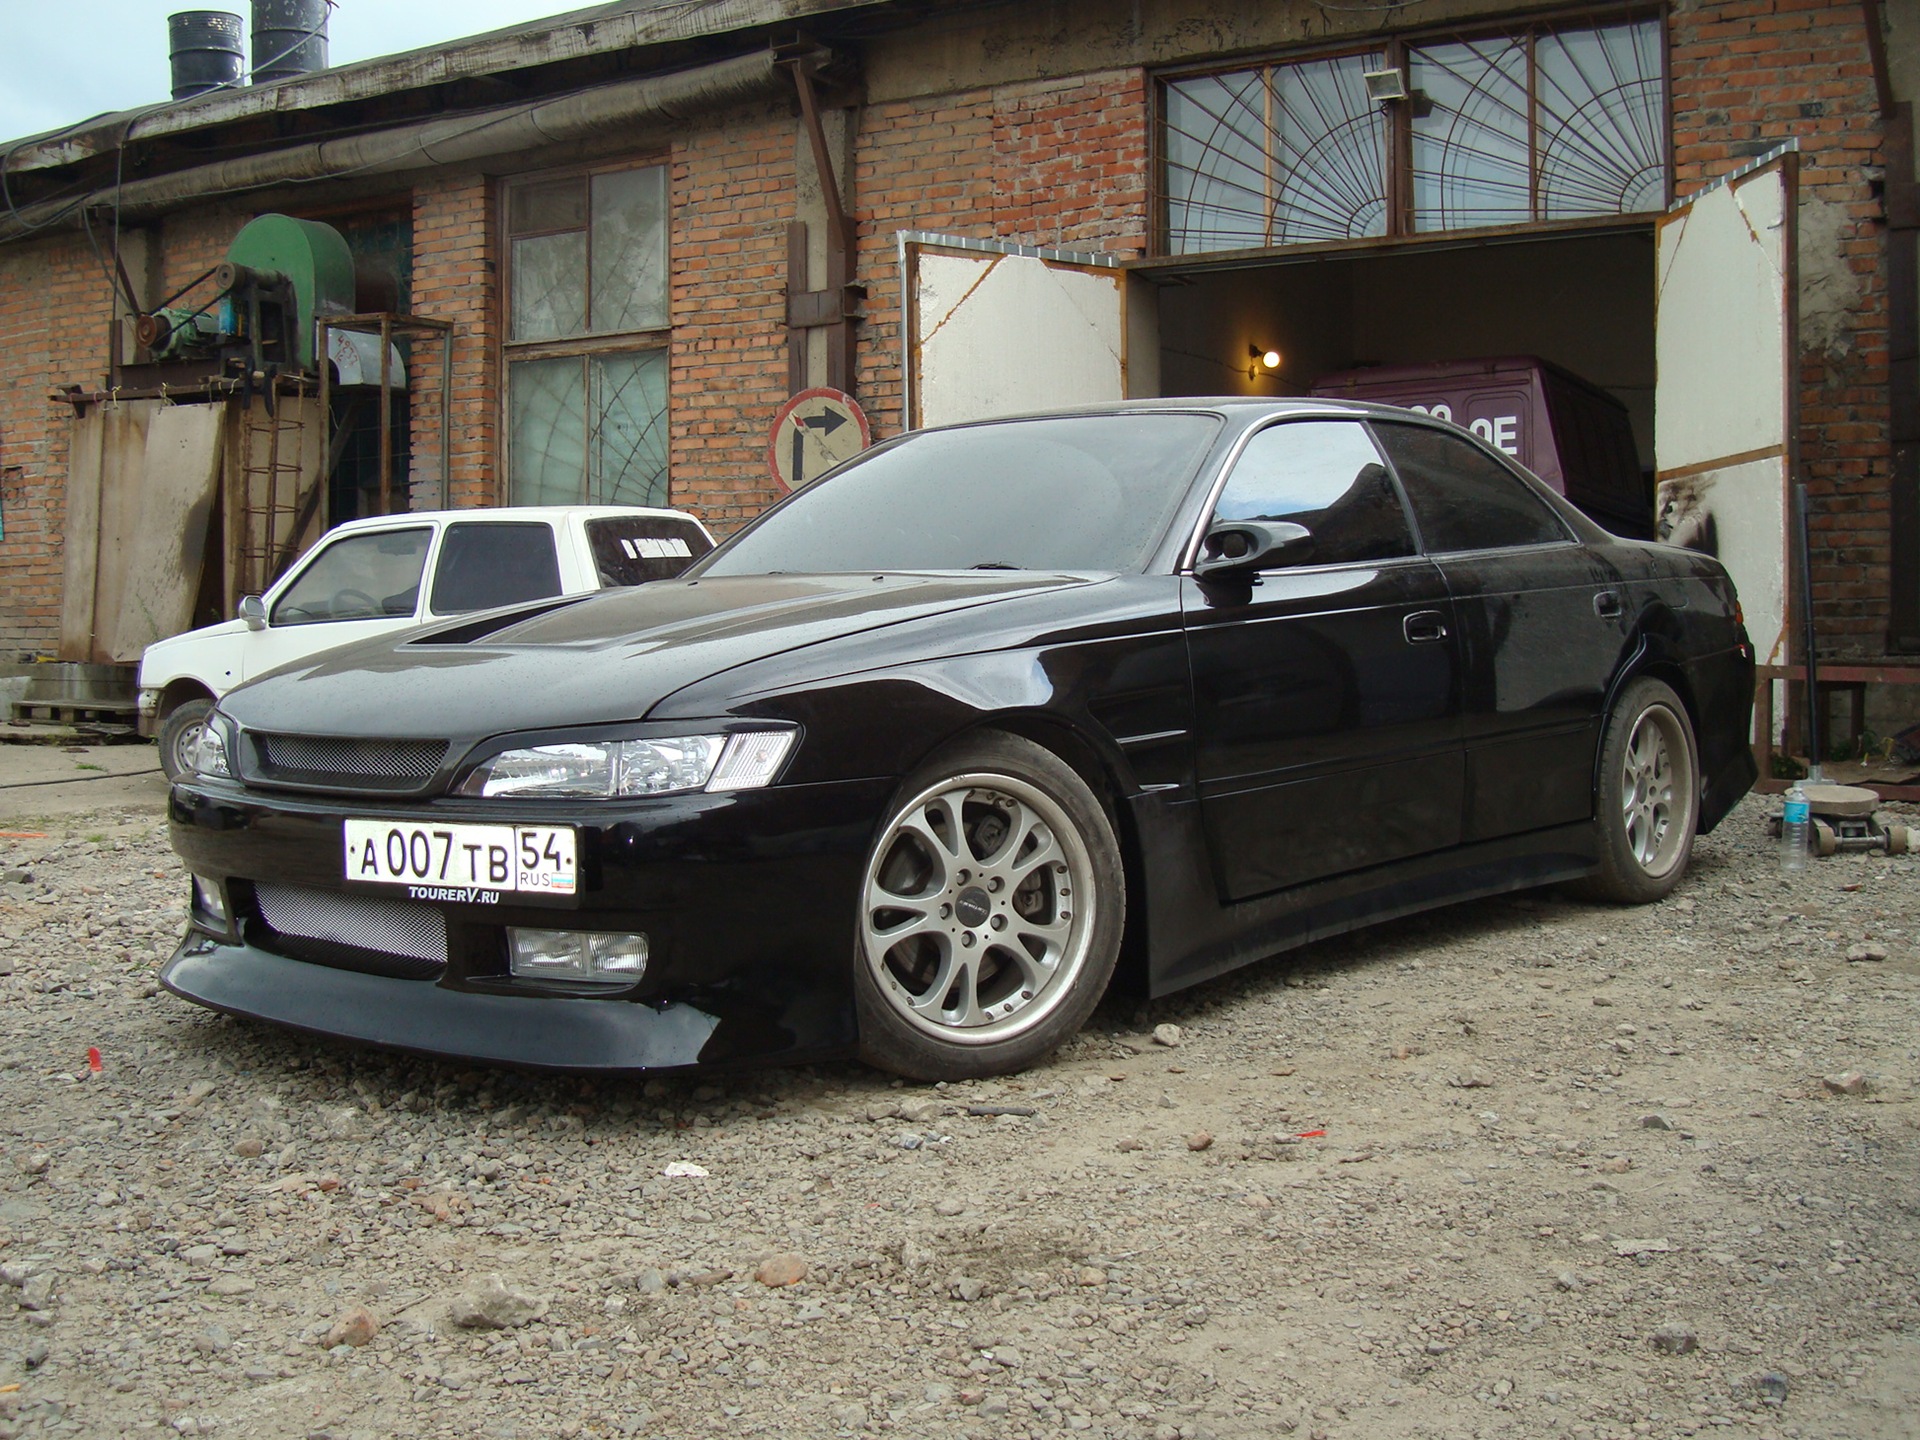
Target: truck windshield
(1074,493)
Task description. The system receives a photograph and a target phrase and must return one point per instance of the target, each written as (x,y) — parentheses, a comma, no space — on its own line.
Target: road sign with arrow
(815,431)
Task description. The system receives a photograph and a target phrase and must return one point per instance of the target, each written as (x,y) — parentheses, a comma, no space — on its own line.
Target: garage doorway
(1584,302)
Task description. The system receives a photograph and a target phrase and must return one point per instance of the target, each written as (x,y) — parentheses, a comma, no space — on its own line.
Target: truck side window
(484,564)
(360,577)
(633,550)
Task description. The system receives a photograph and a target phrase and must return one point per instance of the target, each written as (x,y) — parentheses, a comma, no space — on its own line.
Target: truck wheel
(179,737)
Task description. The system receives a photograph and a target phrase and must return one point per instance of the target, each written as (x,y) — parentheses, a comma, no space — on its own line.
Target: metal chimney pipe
(289,38)
(205,49)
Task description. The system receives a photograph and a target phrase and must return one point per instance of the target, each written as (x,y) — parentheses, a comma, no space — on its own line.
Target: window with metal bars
(586,357)
(1548,123)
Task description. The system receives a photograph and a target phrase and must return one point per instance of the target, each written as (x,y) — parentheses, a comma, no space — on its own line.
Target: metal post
(386,415)
(1810,657)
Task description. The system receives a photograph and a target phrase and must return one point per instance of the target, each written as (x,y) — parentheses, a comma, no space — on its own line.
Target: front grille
(409,760)
(355,932)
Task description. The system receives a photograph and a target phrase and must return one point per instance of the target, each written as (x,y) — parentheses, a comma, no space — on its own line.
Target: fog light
(208,902)
(591,956)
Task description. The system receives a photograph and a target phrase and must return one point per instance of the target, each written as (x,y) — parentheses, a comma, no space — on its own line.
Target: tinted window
(360,577)
(486,564)
(1079,492)
(631,550)
(1462,498)
(1324,475)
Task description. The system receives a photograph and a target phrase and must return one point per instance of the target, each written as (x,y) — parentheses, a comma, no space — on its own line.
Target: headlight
(212,756)
(616,769)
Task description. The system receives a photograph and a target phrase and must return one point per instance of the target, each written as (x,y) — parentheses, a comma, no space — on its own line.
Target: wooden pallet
(73,712)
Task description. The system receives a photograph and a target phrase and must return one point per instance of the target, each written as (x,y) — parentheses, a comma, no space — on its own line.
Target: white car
(366,577)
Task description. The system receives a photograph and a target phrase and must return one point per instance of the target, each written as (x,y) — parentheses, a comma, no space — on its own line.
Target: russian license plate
(471,863)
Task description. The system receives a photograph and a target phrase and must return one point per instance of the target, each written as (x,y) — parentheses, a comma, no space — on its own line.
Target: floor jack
(1844,819)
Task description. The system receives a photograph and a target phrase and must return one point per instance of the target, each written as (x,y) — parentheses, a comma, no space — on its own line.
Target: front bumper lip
(588,1035)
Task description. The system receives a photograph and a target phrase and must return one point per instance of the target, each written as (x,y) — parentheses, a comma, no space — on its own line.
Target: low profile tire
(179,736)
(1649,799)
(991,910)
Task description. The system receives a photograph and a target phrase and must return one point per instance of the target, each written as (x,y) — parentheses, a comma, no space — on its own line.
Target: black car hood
(605,659)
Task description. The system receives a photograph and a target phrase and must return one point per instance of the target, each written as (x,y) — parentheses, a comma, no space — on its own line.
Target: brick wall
(1747,76)
(733,195)
(54,311)
(1059,163)
(1062,162)
(456,278)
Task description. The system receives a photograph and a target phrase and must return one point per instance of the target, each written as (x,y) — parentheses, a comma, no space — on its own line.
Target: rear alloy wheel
(1649,801)
(179,737)
(990,914)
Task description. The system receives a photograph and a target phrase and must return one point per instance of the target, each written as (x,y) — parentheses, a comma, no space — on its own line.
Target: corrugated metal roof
(575,34)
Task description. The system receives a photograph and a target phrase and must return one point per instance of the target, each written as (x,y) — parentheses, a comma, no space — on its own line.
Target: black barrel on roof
(289,38)
(205,48)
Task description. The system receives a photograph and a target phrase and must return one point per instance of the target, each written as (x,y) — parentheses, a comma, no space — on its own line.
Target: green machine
(279,277)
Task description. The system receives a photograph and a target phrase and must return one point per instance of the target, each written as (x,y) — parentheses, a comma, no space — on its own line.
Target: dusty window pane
(546,405)
(1275,157)
(1601,125)
(359,577)
(630,250)
(1216,162)
(549,286)
(1470,159)
(629,450)
(550,205)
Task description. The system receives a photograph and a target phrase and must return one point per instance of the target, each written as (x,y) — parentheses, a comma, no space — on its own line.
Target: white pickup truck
(366,577)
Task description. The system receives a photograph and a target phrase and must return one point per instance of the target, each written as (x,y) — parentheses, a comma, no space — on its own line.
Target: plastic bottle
(1795,821)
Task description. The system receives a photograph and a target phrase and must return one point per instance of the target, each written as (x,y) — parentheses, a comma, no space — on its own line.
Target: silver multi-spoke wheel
(1656,789)
(1649,801)
(989,914)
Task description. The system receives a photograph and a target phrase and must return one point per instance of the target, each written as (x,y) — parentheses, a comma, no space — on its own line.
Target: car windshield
(1075,492)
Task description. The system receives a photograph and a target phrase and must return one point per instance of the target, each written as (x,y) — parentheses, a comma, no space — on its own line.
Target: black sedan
(915,763)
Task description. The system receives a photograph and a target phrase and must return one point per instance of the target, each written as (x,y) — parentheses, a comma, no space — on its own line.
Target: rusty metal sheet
(179,481)
(102,490)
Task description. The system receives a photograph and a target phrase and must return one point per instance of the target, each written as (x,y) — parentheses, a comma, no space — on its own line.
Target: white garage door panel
(1725,412)
(1001,333)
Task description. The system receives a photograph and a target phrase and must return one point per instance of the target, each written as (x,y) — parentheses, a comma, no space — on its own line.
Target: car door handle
(1606,604)
(1423,627)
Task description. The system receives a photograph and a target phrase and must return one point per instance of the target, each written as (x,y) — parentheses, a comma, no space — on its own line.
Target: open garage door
(1724,410)
(994,328)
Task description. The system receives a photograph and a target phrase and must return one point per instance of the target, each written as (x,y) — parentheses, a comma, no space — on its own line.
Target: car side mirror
(1238,549)
(253,610)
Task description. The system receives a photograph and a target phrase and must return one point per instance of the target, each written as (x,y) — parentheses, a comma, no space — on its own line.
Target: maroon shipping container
(1573,435)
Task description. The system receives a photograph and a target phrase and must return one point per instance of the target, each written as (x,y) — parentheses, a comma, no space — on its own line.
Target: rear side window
(358,577)
(1462,498)
(1325,475)
(485,564)
(633,549)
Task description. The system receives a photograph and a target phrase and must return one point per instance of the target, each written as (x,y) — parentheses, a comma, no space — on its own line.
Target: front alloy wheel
(990,914)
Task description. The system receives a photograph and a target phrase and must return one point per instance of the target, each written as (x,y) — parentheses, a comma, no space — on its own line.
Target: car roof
(1237,407)
(505,514)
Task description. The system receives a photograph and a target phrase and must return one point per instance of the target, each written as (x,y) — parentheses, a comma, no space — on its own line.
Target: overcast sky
(65,62)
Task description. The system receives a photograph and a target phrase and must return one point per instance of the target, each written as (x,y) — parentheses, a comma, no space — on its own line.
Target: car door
(352,587)
(1325,690)
(1544,624)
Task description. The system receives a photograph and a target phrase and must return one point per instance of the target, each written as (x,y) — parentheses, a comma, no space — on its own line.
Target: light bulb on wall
(1263,358)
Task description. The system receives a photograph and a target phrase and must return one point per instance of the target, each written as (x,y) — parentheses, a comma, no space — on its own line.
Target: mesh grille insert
(414,760)
(389,927)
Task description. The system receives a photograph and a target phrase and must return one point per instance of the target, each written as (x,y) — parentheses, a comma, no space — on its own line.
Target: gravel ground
(1521,1168)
